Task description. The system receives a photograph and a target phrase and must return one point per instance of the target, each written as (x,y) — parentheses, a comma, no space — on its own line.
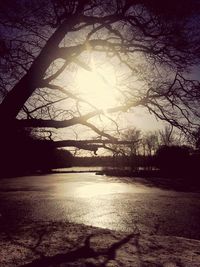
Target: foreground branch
(40,123)
(91,145)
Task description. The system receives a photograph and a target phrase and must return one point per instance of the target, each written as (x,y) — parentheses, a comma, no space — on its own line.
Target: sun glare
(98,87)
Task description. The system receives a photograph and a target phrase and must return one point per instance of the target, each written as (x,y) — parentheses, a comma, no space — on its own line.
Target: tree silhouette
(174,160)
(155,46)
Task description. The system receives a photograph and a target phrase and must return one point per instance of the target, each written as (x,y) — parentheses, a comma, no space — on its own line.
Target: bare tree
(166,136)
(170,136)
(152,45)
(133,135)
(150,143)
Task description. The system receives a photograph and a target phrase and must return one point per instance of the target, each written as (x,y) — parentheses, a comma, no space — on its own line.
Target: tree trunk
(17,97)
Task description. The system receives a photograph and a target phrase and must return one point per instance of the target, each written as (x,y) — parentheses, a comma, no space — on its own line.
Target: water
(79,169)
(107,202)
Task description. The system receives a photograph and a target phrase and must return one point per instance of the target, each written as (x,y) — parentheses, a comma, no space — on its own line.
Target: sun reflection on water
(97,200)
(93,190)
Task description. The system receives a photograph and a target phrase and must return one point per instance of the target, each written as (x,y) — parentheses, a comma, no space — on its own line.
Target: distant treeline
(118,161)
(168,161)
(163,153)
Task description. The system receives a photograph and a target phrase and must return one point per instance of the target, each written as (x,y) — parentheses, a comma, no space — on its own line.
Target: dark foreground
(70,245)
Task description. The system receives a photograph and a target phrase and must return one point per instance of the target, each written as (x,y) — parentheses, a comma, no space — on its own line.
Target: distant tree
(150,143)
(173,159)
(195,139)
(154,43)
(134,135)
(132,149)
(166,136)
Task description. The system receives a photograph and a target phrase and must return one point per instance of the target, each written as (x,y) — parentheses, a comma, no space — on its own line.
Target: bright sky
(98,86)
(141,119)
(101,87)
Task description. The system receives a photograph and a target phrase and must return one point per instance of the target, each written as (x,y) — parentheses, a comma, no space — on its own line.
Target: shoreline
(149,178)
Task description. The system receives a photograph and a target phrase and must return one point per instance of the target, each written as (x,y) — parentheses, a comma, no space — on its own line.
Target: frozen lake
(107,202)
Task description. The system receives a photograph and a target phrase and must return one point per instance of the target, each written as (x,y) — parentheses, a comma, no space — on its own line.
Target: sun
(98,87)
